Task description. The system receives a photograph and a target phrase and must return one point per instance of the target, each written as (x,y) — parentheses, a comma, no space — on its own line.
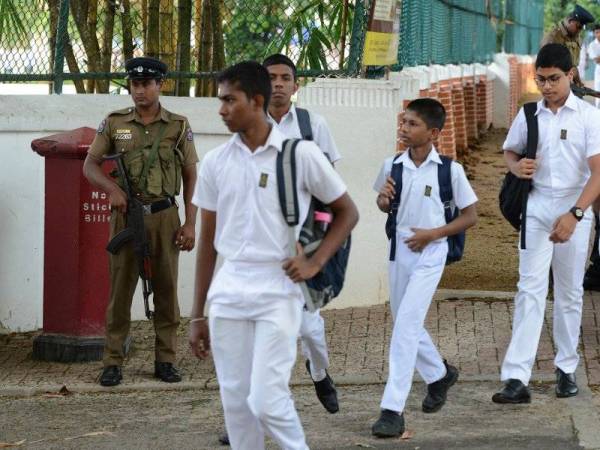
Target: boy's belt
(154,207)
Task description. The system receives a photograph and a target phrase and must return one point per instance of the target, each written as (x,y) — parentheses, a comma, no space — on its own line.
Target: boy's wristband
(199,319)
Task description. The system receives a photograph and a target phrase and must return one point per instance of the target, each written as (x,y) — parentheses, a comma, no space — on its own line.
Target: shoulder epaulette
(121,112)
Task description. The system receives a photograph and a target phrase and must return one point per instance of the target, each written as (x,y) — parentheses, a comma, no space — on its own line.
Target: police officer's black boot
(111,376)
(591,280)
(166,372)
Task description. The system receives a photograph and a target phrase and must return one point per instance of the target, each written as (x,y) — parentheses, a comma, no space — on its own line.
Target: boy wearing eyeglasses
(565,181)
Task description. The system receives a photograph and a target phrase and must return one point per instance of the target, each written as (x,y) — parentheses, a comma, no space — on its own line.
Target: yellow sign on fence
(383,35)
(381,49)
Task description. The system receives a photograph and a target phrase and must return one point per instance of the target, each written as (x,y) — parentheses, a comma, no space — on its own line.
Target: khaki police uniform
(560,35)
(123,131)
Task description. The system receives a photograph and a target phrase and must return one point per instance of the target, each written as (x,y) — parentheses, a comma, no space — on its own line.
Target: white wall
(364,135)
(362,115)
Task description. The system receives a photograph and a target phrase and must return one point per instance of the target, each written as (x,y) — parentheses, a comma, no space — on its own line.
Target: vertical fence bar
(357,38)
(61,38)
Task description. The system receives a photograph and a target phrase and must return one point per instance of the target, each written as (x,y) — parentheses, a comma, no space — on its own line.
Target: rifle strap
(150,160)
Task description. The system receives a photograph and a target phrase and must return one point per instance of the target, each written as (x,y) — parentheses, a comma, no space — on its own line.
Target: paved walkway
(471,333)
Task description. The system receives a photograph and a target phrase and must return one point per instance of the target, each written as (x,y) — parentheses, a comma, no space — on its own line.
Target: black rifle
(135,232)
(580,91)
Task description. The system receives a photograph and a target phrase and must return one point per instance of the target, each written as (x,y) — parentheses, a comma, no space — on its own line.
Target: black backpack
(327,284)
(456,243)
(514,192)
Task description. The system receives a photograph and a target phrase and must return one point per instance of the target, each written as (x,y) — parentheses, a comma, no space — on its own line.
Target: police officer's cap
(581,15)
(144,67)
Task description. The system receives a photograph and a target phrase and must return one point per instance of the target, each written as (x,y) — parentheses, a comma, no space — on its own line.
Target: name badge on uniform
(563,134)
(263,180)
(123,134)
(427,191)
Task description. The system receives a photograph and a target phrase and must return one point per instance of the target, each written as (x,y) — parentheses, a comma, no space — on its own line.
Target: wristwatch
(577,213)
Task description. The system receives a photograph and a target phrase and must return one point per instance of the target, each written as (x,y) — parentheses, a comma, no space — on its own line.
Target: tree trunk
(218,46)
(94,56)
(206,46)
(53,6)
(127,31)
(80,10)
(167,44)
(184,31)
(152,30)
(107,38)
(198,8)
(145,22)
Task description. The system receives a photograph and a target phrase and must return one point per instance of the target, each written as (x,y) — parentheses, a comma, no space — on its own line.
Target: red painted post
(76,283)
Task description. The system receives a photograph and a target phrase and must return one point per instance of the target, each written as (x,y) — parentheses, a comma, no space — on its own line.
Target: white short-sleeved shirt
(321,135)
(566,140)
(593,51)
(241,186)
(420,203)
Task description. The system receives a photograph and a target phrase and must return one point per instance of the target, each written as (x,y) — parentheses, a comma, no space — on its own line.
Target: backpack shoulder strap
(532,128)
(445,185)
(304,124)
(396,174)
(286,181)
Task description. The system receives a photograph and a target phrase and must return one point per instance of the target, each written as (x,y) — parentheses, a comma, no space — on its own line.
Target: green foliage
(13,29)
(308,31)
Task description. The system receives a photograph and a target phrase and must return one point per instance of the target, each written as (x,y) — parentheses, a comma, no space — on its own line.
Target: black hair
(430,111)
(554,55)
(278,58)
(249,77)
(596,26)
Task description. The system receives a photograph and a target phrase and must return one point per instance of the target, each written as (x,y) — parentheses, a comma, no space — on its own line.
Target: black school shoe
(224,439)
(390,424)
(438,390)
(326,392)
(566,385)
(166,372)
(514,391)
(111,376)
(591,280)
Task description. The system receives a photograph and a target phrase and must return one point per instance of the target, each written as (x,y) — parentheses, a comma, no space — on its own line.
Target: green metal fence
(524,26)
(85,42)
(89,40)
(448,31)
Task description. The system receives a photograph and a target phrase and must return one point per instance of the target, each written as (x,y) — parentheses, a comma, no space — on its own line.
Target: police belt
(154,207)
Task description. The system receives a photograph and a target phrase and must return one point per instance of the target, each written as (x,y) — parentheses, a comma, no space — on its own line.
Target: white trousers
(597,88)
(253,344)
(413,280)
(314,344)
(568,267)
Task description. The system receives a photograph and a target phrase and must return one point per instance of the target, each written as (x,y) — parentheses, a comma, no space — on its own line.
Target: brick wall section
(514,87)
(470,94)
(460,120)
(447,140)
(485,96)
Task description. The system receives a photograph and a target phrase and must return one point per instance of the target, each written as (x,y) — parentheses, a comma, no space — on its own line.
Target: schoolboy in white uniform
(420,257)
(565,180)
(254,302)
(282,113)
(593,52)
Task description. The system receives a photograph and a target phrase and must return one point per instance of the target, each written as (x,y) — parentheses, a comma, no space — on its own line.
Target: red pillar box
(76,282)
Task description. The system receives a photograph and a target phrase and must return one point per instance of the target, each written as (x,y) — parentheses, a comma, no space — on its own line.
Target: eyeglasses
(552,81)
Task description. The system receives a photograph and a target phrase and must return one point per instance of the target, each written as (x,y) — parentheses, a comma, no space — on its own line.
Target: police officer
(568,33)
(146,132)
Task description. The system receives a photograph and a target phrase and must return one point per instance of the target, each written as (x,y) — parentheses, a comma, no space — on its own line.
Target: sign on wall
(383,35)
